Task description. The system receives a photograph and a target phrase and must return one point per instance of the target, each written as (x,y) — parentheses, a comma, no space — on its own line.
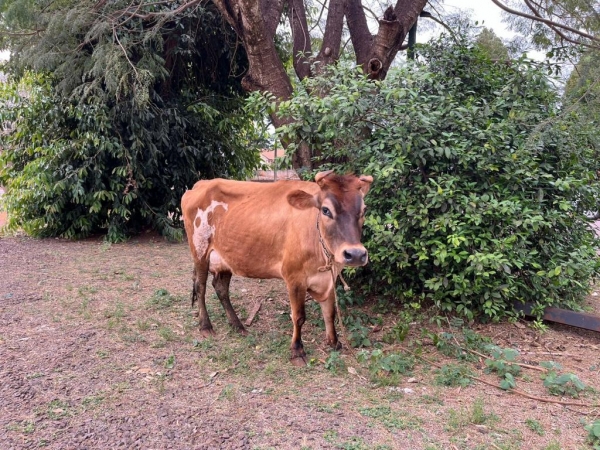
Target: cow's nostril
(347,255)
(355,256)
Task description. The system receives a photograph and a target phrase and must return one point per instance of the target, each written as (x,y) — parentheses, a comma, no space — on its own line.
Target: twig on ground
(513,390)
(254,312)
(526,366)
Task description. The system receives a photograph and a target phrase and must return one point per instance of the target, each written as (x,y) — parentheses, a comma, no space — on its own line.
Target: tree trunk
(255,22)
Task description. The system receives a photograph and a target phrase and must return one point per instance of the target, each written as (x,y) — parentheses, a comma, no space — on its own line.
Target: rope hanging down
(329,258)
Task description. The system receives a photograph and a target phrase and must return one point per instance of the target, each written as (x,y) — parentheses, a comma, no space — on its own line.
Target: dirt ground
(99,349)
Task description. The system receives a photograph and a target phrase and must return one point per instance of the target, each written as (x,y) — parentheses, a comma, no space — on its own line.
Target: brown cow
(301,232)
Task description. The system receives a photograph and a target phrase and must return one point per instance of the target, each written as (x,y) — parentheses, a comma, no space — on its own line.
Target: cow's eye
(326,212)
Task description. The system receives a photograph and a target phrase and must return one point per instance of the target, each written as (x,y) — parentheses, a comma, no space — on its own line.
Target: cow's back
(250,227)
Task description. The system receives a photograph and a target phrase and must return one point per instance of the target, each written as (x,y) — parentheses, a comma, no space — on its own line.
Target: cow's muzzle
(355,256)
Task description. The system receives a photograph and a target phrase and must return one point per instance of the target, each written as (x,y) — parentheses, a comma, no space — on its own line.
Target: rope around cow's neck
(335,273)
(329,258)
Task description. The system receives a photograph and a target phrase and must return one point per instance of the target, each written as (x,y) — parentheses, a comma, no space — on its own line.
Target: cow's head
(341,214)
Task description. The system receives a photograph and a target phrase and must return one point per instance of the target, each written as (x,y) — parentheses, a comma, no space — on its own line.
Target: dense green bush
(106,138)
(481,181)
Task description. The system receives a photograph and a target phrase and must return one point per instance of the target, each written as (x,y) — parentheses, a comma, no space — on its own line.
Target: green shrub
(107,136)
(481,180)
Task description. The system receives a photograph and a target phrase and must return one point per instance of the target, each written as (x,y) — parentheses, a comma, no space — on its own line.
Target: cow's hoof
(207,332)
(242,331)
(298,361)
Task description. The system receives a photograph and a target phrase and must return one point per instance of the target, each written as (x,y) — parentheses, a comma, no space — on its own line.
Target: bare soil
(99,349)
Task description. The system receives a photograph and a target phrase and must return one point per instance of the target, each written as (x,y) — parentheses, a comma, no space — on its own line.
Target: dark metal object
(564,316)
(412,40)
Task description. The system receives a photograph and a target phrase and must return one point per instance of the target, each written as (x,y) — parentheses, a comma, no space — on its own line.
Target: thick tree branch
(393,28)
(359,30)
(548,22)
(558,32)
(301,37)
(332,40)
(272,10)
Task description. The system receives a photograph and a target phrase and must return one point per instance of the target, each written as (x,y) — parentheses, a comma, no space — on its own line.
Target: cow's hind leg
(221,282)
(199,295)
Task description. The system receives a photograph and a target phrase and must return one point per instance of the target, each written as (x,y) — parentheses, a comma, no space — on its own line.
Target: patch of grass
(170,362)
(102,354)
(535,426)
(203,344)
(86,291)
(115,314)
(475,415)
(392,419)
(167,334)
(227,393)
(334,363)
(92,401)
(25,427)
(330,436)
(162,299)
(329,409)
(57,409)
(31,376)
(554,445)
(277,343)
(122,387)
(143,325)
(431,400)
(132,337)
(478,414)
(354,443)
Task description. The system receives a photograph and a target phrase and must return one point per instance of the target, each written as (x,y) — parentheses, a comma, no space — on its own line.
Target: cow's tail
(194,294)
(194,288)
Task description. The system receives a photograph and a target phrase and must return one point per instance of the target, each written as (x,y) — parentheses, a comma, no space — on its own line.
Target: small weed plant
(593,436)
(454,375)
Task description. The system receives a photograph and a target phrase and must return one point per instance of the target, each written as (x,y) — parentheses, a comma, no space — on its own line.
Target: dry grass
(99,349)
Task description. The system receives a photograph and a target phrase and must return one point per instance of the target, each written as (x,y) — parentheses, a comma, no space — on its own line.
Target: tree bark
(255,22)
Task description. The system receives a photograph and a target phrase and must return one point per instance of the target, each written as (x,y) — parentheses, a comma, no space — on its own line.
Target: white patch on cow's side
(204,231)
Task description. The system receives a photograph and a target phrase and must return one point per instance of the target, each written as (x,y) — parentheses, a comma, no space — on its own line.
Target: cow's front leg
(297,301)
(328,310)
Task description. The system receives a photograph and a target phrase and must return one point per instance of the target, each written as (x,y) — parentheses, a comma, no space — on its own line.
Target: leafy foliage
(108,135)
(502,361)
(390,363)
(454,375)
(481,180)
(563,384)
(593,437)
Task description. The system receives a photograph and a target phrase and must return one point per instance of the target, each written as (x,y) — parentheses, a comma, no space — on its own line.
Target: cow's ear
(302,200)
(365,183)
